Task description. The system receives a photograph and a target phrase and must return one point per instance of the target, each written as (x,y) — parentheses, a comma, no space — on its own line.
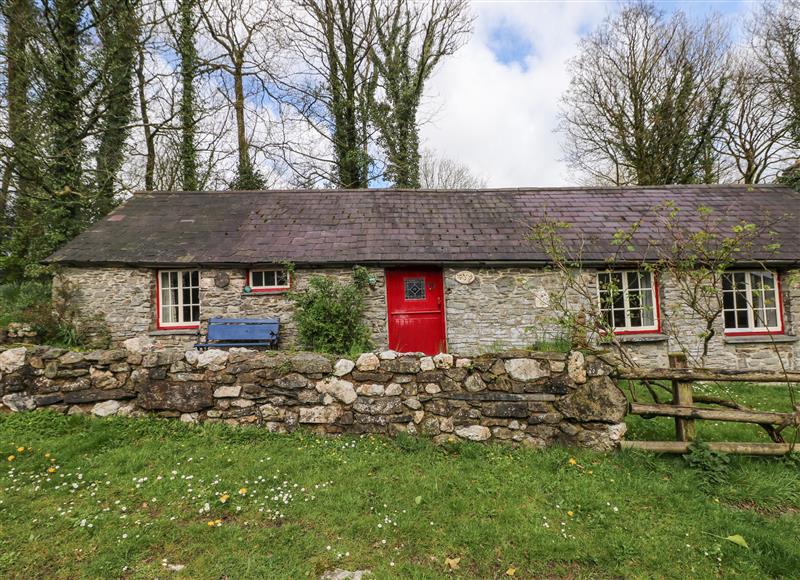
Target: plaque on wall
(465,277)
(221,280)
(541,298)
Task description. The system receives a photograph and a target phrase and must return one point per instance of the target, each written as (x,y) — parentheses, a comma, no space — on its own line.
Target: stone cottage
(449,270)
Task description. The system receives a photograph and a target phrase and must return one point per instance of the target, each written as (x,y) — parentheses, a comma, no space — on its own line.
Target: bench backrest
(250,329)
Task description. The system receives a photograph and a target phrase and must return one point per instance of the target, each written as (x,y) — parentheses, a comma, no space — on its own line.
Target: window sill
(175,332)
(266,293)
(635,338)
(761,339)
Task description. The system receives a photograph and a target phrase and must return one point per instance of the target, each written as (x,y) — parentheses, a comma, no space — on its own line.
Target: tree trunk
(245,168)
(188,57)
(118,30)
(19,24)
(149,136)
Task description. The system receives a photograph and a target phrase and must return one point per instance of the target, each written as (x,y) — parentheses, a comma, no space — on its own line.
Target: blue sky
(494,105)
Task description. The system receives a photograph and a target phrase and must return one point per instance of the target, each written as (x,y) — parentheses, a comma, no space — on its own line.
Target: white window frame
(181,322)
(628,328)
(273,288)
(751,324)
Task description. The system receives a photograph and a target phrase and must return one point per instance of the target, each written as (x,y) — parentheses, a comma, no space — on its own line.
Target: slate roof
(408,226)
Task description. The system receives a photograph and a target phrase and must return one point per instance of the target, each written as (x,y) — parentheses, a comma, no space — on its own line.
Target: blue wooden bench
(240,332)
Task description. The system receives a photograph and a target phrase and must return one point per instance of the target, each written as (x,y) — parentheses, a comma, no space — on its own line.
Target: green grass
(397,507)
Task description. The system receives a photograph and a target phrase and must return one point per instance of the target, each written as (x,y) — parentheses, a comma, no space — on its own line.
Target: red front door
(415,299)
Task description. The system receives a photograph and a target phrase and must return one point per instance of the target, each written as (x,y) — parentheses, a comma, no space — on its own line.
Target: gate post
(682,396)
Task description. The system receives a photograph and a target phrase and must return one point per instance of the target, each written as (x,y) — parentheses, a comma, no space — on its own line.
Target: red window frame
(268,289)
(781,324)
(656,310)
(159,324)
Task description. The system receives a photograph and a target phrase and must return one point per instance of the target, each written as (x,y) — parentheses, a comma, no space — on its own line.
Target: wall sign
(465,277)
(221,280)
(541,298)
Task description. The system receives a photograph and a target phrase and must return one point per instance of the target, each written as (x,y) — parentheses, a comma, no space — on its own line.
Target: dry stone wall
(530,398)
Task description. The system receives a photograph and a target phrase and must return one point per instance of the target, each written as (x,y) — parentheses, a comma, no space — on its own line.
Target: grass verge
(135,497)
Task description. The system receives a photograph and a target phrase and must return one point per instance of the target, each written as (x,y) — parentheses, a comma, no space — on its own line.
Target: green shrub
(58,323)
(713,465)
(330,314)
(18,300)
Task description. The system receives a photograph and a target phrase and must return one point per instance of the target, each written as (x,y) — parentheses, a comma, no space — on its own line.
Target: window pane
(269,278)
(257,278)
(772,317)
(187,314)
(741,319)
(195,314)
(633,280)
(414,288)
(730,319)
(173,279)
(648,308)
(727,300)
(195,296)
(619,318)
(195,278)
(283,278)
(636,318)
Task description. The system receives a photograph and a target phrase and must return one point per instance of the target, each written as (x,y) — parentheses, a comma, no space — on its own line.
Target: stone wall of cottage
(126,299)
(530,398)
(487,309)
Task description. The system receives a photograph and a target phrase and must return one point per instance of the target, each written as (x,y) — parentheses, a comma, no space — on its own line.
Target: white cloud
(499,119)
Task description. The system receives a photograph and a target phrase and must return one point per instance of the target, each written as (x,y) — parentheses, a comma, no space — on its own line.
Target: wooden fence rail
(708,375)
(684,411)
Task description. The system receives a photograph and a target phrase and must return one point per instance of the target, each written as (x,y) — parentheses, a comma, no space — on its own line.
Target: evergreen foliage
(329,314)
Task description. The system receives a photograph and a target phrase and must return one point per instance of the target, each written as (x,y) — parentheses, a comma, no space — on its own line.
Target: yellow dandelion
(47,455)
(224,498)
(211,524)
(572,461)
(11,458)
(20,449)
(51,470)
(570,513)
(243,491)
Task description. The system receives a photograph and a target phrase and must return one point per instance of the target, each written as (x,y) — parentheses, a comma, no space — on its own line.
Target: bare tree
(437,172)
(775,36)
(247,36)
(646,100)
(326,92)
(411,40)
(756,139)
(775,31)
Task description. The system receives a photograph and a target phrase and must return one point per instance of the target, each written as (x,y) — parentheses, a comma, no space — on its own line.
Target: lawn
(140,498)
